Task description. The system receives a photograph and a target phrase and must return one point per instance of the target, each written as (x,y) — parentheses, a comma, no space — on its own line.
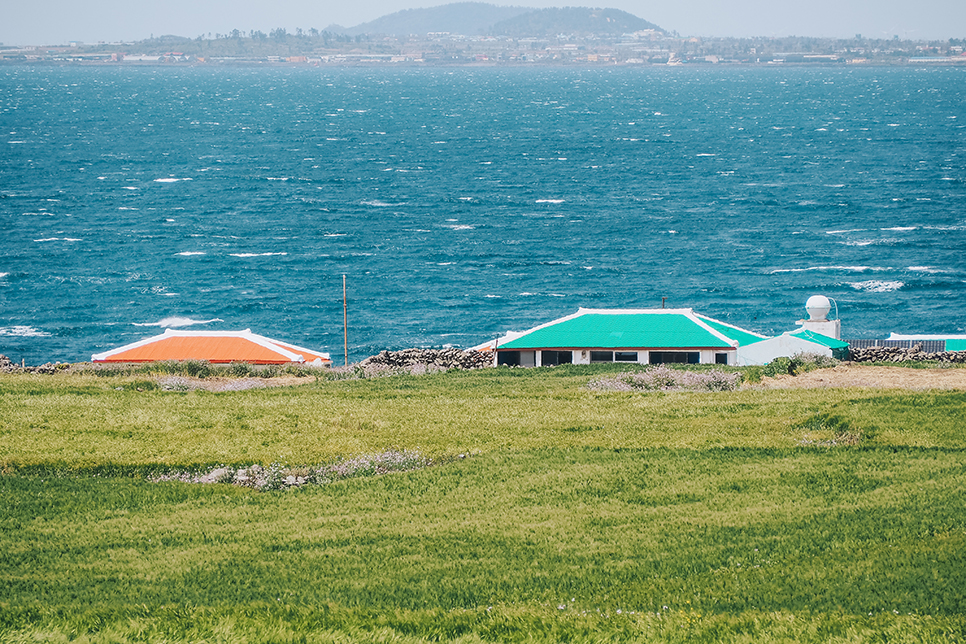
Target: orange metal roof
(215,347)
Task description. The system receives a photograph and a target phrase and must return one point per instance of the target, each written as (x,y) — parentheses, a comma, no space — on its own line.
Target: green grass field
(574,516)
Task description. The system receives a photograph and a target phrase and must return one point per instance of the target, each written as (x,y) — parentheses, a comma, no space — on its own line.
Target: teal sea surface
(462,203)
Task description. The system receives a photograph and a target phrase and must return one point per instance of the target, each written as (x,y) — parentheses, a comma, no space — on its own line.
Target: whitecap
(22,332)
(863,242)
(550,200)
(189,253)
(877,286)
(461,227)
(335,234)
(842,232)
(170,180)
(50,239)
(925,269)
(851,269)
(494,296)
(176,321)
(380,204)
(901,229)
(255,254)
(705,154)
(2,275)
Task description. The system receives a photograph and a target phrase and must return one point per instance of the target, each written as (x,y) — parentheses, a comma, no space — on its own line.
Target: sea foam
(176,322)
(22,332)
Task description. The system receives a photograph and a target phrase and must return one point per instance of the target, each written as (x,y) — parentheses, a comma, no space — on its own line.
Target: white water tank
(818,307)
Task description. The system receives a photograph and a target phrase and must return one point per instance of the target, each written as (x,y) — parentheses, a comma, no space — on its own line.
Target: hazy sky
(52,22)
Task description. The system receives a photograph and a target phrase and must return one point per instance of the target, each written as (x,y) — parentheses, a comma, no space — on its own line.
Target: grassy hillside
(576,515)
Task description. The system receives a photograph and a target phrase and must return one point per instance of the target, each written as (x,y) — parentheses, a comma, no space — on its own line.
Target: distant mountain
(572,20)
(478,18)
(467,18)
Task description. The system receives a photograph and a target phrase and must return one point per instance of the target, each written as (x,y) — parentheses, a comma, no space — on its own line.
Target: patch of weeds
(664,378)
(278,476)
(831,430)
(582,428)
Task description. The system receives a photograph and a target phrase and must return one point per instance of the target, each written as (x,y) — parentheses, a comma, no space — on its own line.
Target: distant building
(217,347)
(648,336)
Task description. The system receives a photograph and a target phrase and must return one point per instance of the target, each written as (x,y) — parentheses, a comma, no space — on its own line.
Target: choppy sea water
(462,203)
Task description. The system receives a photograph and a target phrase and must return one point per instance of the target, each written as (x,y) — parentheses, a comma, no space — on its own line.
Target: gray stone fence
(442,358)
(900,354)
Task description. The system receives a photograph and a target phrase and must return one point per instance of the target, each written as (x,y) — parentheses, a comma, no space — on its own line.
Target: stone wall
(441,358)
(897,354)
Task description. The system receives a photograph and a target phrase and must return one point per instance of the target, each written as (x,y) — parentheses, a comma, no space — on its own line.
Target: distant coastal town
(447,36)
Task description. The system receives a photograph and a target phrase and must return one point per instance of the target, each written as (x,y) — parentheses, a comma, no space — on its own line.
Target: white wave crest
(50,239)
(877,286)
(550,200)
(850,269)
(255,254)
(189,253)
(176,321)
(381,204)
(22,332)
(170,180)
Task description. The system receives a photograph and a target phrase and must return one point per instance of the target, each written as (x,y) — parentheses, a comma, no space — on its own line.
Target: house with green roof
(647,336)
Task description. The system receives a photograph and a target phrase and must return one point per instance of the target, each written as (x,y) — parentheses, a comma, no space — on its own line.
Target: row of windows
(526,358)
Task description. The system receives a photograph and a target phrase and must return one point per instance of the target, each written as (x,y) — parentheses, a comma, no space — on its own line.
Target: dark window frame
(674,357)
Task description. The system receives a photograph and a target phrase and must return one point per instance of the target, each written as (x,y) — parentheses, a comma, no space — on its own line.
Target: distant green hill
(468,18)
(477,18)
(572,20)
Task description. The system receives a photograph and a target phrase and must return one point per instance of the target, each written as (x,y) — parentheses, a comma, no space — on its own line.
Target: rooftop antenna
(663,300)
(345,321)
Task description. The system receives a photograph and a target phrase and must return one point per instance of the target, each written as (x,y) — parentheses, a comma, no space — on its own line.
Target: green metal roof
(637,329)
(818,338)
(743,337)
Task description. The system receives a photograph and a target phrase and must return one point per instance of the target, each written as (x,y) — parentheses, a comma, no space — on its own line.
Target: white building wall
(785,345)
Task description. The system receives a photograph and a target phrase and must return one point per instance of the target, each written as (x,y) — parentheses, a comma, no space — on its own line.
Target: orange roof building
(217,347)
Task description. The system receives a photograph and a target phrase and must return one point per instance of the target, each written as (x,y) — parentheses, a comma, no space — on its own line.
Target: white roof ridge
(732,326)
(694,317)
(635,311)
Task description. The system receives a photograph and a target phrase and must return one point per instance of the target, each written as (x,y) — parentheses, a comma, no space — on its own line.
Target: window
(601,356)
(675,357)
(550,358)
(721,358)
(625,356)
(509,358)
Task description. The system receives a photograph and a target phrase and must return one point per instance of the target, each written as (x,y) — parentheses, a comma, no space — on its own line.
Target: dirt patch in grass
(876,376)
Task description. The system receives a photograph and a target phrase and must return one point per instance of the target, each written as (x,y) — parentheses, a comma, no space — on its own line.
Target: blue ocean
(462,203)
